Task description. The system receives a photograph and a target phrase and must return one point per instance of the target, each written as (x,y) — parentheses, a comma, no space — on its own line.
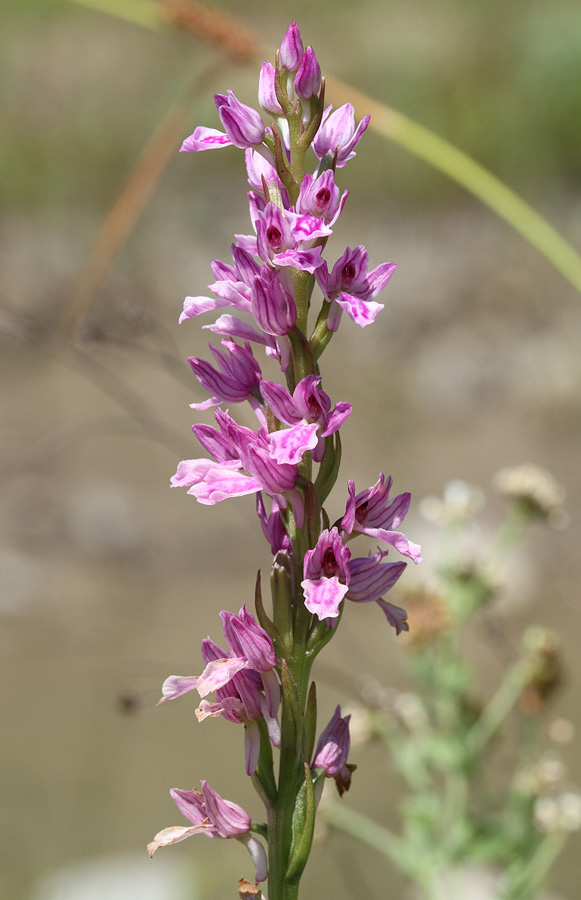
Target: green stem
(301,283)
(368,832)
(530,880)
(499,706)
(509,534)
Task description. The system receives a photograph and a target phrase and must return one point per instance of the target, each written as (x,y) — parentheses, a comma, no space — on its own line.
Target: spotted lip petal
(323,596)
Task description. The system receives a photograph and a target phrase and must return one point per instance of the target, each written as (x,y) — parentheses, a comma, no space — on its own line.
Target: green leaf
(311,722)
(303,829)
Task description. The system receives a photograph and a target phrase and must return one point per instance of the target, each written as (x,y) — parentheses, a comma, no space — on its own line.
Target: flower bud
(291,49)
(308,77)
(333,745)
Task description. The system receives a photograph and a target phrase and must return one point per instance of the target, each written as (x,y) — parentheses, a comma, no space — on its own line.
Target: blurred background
(108,581)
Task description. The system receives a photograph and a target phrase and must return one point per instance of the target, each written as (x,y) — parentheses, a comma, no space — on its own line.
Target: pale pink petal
(298,506)
(234,327)
(176,685)
(195,306)
(220,483)
(176,833)
(206,404)
(251,746)
(257,854)
(219,672)
(399,541)
(190,471)
(247,242)
(271,691)
(289,444)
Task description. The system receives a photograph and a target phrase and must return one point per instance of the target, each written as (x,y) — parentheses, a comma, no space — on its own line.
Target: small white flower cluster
(460,503)
(560,813)
(533,485)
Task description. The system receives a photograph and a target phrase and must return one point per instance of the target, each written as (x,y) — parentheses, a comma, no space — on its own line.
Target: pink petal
(257,854)
(207,710)
(219,672)
(194,306)
(362,312)
(336,418)
(230,325)
(399,541)
(396,616)
(205,139)
(176,833)
(307,227)
(176,685)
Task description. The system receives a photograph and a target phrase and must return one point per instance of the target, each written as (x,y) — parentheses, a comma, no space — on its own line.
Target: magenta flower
(239,700)
(371,513)
(321,197)
(371,579)
(215,817)
(205,139)
(237,378)
(351,287)
(333,745)
(243,125)
(232,286)
(245,638)
(327,575)
(309,413)
(338,135)
(243,465)
(308,78)
(242,679)
(283,238)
